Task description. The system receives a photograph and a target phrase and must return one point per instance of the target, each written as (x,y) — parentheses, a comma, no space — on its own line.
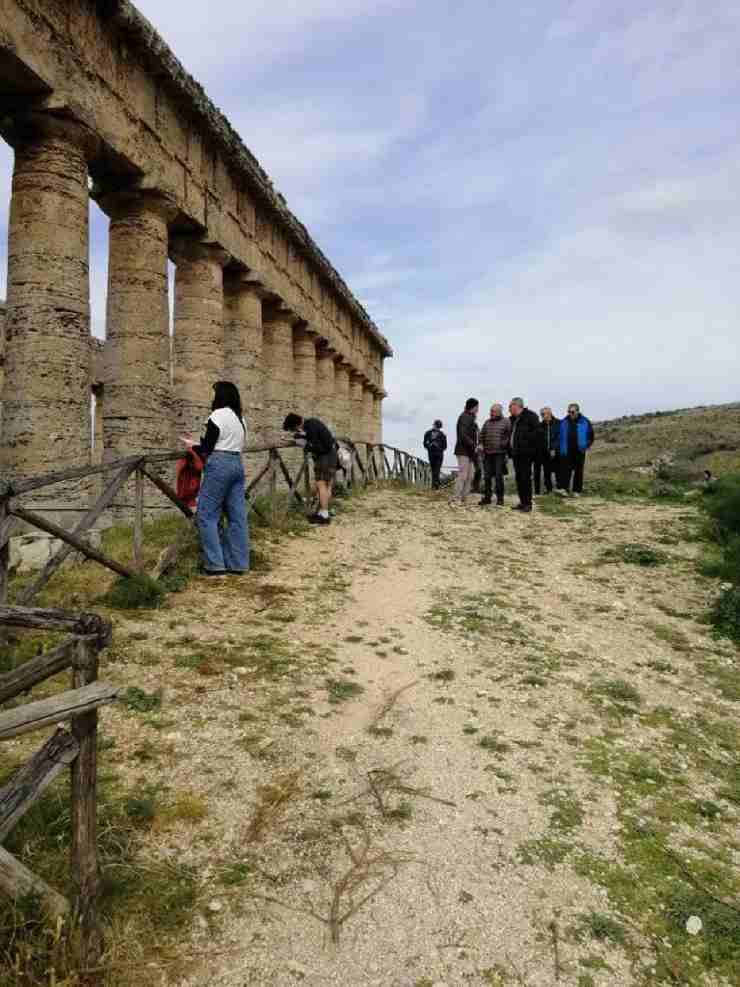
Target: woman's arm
(208,443)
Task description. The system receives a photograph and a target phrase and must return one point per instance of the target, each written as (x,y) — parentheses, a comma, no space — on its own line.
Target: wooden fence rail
(73,747)
(369,463)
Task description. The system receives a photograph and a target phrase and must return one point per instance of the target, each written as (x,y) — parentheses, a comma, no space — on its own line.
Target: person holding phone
(225,550)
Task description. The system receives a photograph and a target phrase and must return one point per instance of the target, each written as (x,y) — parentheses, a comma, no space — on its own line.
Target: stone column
(368,428)
(198,351)
(46,395)
(378,417)
(356,407)
(138,396)
(243,296)
(278,364)
(304,370)
(341,397)
(326,407)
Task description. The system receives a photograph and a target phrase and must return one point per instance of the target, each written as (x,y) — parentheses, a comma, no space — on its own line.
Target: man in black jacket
(435,443)
(548,447)
(524,427)
(466,450)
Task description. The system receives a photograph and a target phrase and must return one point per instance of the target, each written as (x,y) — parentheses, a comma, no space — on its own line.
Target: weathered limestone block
(342,412)
(47,352)
(198,348)
(278,363)
(325,383)
(243,347)
(304,370)
(138,397)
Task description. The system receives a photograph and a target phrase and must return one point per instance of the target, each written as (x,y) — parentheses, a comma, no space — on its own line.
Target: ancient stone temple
(94,103)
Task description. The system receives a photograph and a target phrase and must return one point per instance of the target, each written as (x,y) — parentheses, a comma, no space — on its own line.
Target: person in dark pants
(494,439)
(576,438)
(312,435)
(524,426)
(548,446)
(435,443)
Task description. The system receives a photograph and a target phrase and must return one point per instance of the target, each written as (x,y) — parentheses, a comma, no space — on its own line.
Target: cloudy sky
(538,198)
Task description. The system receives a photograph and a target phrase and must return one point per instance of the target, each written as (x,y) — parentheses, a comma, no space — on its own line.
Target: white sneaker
(575,495)
(561,493)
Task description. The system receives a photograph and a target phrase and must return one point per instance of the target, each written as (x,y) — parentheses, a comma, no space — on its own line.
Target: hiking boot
(561,493)
(484,503)
(318,519)
(499,503)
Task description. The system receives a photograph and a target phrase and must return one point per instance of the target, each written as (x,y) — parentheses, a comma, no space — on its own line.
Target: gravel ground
(393,844)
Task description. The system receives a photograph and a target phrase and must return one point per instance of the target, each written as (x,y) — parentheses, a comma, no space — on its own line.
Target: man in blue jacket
(576,438)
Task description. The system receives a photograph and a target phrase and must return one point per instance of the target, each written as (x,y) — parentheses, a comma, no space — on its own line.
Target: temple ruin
(95,104)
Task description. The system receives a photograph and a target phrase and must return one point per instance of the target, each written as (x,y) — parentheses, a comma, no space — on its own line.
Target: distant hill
(707,437)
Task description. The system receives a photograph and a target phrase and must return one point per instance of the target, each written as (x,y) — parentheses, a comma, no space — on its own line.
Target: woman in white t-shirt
(224,550)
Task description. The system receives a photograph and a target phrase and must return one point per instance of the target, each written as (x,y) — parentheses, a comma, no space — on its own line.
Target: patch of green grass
(618,691)
(567,814)
(601,927)
(725,614)
(634,554)
(137,592)
(136,700)
(670,635)
(401,812)
(492,744)
(152,898)
(340,690)
(547,850)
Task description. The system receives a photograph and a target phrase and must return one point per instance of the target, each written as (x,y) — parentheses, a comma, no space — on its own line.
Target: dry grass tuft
(272,801)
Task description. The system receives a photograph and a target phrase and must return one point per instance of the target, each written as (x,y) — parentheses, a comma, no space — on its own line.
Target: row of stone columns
(227,325)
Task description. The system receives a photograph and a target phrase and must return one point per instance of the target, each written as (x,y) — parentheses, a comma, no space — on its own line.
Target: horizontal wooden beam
(17,882)
(46,619)
(55,709)
(31,517)
(30,782)
(36,670)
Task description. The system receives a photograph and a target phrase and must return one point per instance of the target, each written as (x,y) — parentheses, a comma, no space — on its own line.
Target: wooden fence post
(139,522)
(273,484)
(85,874)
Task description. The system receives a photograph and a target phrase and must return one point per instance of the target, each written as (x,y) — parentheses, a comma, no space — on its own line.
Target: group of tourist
(541,449)
(221,495)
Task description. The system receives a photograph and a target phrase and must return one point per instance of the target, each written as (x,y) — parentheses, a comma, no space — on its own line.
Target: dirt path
(425,740)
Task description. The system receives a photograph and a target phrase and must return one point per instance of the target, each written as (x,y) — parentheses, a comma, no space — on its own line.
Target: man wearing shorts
(312,435)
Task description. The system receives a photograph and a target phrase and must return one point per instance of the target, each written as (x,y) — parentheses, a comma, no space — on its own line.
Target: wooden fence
(74,747)
(368,464)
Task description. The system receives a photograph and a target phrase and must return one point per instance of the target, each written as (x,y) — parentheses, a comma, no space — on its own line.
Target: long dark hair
(226,395)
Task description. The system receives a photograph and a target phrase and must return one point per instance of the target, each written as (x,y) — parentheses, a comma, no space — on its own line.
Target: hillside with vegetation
(688,440)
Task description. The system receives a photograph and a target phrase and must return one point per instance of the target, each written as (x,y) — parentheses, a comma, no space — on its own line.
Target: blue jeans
(225,548)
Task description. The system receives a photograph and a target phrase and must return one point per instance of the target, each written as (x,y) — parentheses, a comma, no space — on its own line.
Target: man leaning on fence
(313,435)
